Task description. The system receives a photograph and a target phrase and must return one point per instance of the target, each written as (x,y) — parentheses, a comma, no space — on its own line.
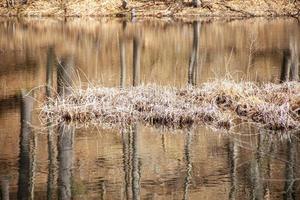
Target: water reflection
(290,71)
(290,183)
(141,162)
(136,60)
(130,138)
(232,162)
(65,132)
(290,62)
(193,64)
(5,188)
(28,146)
(131,163)
(51,135)
(135,164)
(187,155)
(65,161)
(122,62)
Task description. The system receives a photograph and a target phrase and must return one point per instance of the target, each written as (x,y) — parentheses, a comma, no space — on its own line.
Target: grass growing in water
(220,104)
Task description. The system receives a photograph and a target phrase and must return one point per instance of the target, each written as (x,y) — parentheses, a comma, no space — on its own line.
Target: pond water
(39,160)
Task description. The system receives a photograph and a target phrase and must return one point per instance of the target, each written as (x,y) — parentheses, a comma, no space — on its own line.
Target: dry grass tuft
(220,104)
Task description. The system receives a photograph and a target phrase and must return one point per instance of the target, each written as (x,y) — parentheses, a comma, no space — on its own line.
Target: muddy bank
(216,8)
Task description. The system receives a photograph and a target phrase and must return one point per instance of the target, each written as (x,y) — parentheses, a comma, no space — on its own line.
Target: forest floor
(153,8)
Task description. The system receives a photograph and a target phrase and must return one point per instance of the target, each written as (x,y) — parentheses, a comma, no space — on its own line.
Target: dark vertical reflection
(294,73)
(290,71)
(134,138)
(65,160)
(122,62)
(49,71)
(290,63)
(261,166)
(135,163)
(52,153)
(285,67)
(267,174)
(131,162)
(232,156)
(188,160)
(130,137)
(257,184)
(193,62)
(136,60)
(196,3)
(5,188)
(163,142)
(124,4)
(103,190)
(64,72)
(126,162)
(290,183)
(25,186)
(65,133)
(289,186)
(33,165)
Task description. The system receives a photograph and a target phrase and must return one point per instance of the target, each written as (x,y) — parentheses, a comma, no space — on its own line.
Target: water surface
(43,161)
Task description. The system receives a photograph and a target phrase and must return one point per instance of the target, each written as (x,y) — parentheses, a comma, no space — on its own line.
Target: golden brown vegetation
(220,104)
(157,8)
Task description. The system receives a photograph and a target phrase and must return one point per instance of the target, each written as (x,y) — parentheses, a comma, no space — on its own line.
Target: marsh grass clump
(219,104)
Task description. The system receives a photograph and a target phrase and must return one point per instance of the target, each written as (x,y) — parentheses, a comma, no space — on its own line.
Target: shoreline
(216,9)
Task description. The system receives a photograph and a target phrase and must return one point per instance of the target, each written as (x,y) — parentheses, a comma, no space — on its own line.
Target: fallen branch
(243,12)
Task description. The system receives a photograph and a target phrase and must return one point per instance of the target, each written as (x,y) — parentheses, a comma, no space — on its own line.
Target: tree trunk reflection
(136,60)
(5,188)
(27,156)
(51,136)
(188,160)
(193,63)
(65,132)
